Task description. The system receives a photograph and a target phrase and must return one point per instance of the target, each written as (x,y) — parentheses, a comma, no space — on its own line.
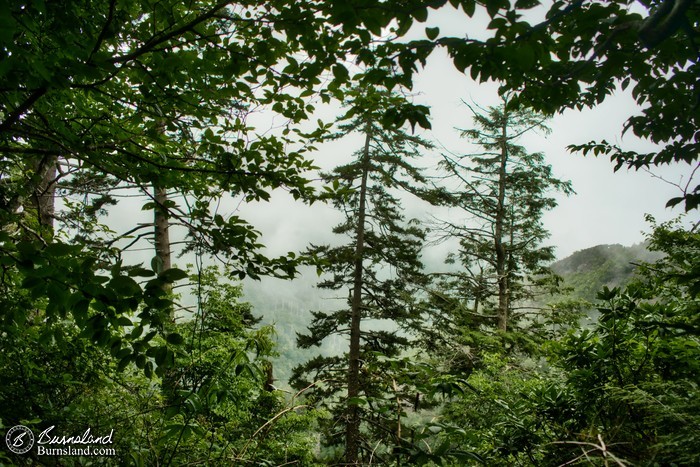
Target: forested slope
(587,271)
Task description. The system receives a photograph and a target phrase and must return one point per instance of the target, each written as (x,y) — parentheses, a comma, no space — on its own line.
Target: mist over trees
(151,106)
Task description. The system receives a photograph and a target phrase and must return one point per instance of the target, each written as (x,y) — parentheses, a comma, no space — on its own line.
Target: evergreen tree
(504,191)
(486,324)
(380,267)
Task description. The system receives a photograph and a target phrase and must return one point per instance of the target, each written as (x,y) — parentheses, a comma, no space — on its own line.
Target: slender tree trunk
(161,227)
(45,192)
(352,428)
(162,246)
(161,240)
(478,292)
(501,254)
(161,231)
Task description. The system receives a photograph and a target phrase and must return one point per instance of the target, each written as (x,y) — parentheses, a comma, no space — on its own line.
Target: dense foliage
(122,105)
(214,405)
(621,392)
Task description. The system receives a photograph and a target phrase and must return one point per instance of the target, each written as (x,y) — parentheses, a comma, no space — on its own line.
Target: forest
(135,135)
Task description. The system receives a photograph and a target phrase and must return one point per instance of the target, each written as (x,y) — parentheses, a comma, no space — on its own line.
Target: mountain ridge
(587,271)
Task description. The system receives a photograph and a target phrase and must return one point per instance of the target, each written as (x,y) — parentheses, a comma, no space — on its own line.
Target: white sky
(608,207)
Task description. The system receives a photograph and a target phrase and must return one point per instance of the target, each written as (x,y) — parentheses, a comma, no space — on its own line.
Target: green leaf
(124,321)
(125,285)
(157,264)
(28,250)
(175,339)
(124,362)
(420,14)
(161,354)
(59,249)
(432,33)
(79,308)
(140,272)
(173,275)
(140,361)
(462,62)
(525,56)
(469,7)
(492,7)
(340,72)
(498,23)
(31,281)
(150,335)
(357,401)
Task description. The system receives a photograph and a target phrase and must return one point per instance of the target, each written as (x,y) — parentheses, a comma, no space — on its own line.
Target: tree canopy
(96,96)
(157,99)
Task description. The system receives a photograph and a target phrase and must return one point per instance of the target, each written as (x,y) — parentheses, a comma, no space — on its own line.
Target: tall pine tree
(380,268)
(503,191)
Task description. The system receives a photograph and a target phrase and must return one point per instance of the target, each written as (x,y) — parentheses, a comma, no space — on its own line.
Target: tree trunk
(501,254)
(161,234)
(352,428)
(45,192)
(161,240)
(161,228)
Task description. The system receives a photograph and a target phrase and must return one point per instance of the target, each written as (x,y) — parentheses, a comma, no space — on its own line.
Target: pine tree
(381,269)
(504,191)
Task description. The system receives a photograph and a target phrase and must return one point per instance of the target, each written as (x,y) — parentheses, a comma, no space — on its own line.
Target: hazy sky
(608,207)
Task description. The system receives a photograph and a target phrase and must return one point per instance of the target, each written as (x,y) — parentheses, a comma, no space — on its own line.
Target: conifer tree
(380,268)
(503,192)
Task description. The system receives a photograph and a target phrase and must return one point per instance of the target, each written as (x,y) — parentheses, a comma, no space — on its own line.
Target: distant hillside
(287,304)
(587,271)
